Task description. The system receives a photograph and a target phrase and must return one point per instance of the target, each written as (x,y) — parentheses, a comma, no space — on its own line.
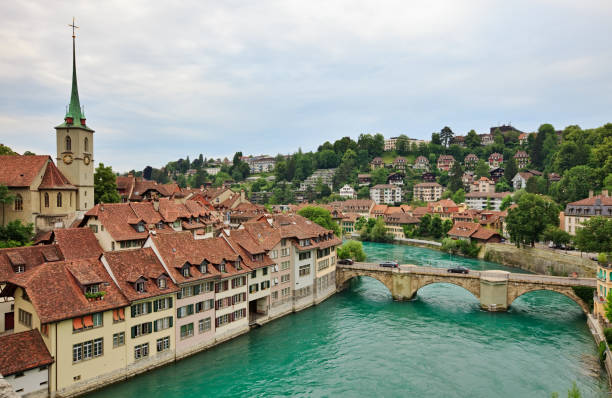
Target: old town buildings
(427,191)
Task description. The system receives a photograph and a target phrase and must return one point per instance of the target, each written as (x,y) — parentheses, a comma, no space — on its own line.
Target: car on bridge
(458,270)
(389,264)
(346,261)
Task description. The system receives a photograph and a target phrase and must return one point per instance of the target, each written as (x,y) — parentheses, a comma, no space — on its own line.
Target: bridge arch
(513,294)
(470,286)
(344,278)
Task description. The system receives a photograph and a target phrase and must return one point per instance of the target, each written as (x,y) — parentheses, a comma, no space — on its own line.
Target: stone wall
(6,390)
(539,261)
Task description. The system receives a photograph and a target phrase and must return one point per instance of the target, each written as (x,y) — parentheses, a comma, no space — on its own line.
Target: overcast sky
(161,80)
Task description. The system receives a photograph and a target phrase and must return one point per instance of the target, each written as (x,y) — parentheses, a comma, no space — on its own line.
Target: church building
(47,195)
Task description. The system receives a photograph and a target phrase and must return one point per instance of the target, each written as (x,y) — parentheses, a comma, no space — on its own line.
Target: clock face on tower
(67,158)
(86,159)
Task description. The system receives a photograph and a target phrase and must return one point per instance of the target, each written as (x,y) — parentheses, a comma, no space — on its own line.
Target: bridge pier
(402,287)
(494,291)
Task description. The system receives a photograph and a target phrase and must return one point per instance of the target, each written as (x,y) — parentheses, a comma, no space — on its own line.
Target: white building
(213,171)
(427,191)
(347,192)
(24,362)
(386,194)
(479,200)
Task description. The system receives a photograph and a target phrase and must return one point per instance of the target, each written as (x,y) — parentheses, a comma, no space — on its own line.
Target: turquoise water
(360,343)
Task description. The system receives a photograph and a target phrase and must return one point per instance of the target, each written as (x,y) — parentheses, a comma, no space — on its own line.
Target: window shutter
(217,304)
(169,302)
(149,305)
(155,306)
(190,309)
(244,280)
(133,312)
(155,326)
(226,284)
(216,287)
(150,326)
(243,296)
(133,331)
(171,319)
(233,283)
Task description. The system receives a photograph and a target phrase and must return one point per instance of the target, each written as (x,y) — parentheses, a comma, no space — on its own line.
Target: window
(46,199)
(223,319)
(254,274)
(25,318)
(265,285)
(204,267)
(163,344)
(59,199)
(222,267)
(19,269)
(118,339)
(86,144)
(18,203)
(274,295)
(285,252)
(273,254)
(87,350)
(184,311)
(221,286)
(285,265)
(204,305)
(68,143)
(209,286)
(285,278)
(162,304)
(304,256)
(140,227)
(163,323)
(185,271)
(253,288)
(286,291)
(141,309)
(237,282)
(94,228)
(142,329)
(187,331)
(204,325)
(238,298)
(304,270)
(239,314)
(97,319)
(118,315)
(283,242)
(186,291)
(161,283)
(141,351)
(140,287)
(265,271)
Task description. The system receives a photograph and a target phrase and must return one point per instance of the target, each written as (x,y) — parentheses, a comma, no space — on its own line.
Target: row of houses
(79,317)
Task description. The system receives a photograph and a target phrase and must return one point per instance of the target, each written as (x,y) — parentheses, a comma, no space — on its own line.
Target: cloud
(167,79)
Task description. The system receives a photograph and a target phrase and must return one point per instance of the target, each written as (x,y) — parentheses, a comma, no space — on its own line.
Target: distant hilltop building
(260,164)
(325,175)
(391,143)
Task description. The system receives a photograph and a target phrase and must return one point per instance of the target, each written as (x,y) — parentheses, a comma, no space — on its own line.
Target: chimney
(590,193)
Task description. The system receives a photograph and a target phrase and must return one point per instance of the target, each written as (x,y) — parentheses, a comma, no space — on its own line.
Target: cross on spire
(73,26)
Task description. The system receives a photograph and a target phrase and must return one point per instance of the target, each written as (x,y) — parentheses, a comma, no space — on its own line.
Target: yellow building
(604,286)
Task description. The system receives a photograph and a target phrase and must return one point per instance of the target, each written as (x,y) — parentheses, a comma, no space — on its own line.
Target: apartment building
(347,192)
(148,338)
(576,213)
(484,200)
(386,193)
(427,191)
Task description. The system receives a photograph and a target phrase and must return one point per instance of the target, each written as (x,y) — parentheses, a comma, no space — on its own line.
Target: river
(360,343)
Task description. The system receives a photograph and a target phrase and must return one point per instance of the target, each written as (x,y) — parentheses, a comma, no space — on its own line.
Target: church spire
(74,114)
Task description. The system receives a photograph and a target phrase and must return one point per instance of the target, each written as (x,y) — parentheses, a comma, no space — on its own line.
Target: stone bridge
(496,290)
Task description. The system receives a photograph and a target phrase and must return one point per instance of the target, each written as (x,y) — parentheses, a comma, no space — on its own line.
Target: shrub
(585,293)
(608,333)
(352,249)
(602,351)
(469,249)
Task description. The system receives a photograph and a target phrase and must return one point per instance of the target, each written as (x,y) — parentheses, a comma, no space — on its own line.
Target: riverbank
(539,261)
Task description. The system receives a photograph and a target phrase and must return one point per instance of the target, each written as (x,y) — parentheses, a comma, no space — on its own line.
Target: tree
(363,193)
(379,176)
(608,305)
(454,182)
(446,136)
(105,185)
(595,235)
(530,218)
(510,168)
(425,225)
(320,216)
(361,223)
(199,179)
(181,180)
(4,150)
(502,186)
(459,196)
(352,249)
(482,169)
(435,139)
(436,227)
(147,173)
(556,235)
(16,234)
(505,203)
(575,184)
(446,226)
(472,140)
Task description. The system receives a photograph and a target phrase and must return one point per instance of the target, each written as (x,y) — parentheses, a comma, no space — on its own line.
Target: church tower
(75,145)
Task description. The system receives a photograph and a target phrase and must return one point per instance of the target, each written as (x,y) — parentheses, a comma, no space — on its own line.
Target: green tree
(363,193)
(105,185)
(446,136)
(482,169)
(530,218)
(352,249)
(436,227)
(446,226)
(454,182)
(16,234)
(459,196)
(379,176)
(502,186)
(510,169)
(556,235)
(425,225)
(472,140)
(320,216)
(506,202)
(361,223)
(575,184)
(4,150)
(595,235)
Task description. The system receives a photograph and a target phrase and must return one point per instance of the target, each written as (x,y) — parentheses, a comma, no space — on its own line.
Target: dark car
(346,261)
(458,270)
(389,264)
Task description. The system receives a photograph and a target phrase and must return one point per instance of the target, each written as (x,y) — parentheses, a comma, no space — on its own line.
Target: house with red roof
(445,162)
(495,160)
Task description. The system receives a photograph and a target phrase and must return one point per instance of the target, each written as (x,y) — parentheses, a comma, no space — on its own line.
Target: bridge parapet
(495,289)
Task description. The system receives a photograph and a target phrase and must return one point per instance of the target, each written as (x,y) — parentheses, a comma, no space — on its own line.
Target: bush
(608,333)
(468,249)
(352,249)
(602,351)
(585,293)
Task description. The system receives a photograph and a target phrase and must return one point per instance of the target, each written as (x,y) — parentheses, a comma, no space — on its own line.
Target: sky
(166,79)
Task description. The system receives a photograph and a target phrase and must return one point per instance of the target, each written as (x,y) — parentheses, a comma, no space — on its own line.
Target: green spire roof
(74,111)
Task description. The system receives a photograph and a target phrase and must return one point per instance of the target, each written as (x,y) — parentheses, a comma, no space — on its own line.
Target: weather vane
(73,26)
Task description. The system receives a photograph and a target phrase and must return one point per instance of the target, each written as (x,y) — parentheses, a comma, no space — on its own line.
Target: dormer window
(185,271)
(140,287)
(204,267)
(19,268)
(140,227)
(162,283)
(222,266)
(237,265)
(95,288)
(160,225)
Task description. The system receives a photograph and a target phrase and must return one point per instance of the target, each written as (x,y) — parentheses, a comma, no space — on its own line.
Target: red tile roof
(119,219)
(77,243)
(54,179)
(21,171)
(128,266)
(56,294)
(463,229)
(30,256)
(484,233)
(23,351)
(604,199)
